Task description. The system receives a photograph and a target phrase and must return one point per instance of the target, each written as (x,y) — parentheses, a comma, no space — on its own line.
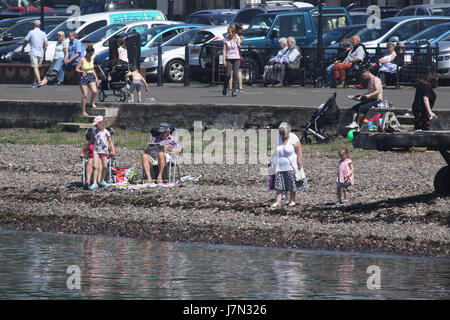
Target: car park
(21,28)
(84,25)
(211,17)
(246,15)
(100,38)
(425,10)
(8,53)
(173,51)
(153,37)
(397,29)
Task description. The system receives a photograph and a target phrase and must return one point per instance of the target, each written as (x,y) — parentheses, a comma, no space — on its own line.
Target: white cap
(37,22)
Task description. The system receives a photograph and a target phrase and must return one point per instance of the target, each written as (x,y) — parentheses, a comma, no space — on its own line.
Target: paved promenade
(203,94)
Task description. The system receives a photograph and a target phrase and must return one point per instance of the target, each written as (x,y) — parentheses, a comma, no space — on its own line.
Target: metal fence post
(213,63)
(159,70)
(250,69)
(186,66)
(378,52)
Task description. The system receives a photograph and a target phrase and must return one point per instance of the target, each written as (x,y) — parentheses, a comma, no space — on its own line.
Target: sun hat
(97,119)
(37,22)
(163,127)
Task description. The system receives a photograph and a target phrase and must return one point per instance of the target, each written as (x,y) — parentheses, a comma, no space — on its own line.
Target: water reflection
(33,265)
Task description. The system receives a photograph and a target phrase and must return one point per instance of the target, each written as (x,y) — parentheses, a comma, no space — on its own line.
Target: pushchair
(326,114)
(113,77)
(111,160)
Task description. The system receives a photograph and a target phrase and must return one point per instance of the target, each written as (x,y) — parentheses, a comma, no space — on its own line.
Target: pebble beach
(393,208)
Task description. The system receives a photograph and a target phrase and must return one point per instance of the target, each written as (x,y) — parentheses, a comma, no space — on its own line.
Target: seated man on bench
(369,100)
(157,151)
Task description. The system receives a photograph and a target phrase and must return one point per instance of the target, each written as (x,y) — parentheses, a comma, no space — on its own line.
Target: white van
(84,25)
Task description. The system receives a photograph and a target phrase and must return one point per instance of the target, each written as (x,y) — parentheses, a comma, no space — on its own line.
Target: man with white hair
(291,60)
(275,60)
(355,56)
(38,45)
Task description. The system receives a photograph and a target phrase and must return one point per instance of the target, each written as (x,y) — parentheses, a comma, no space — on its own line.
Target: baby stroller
(326,114)
(113,77)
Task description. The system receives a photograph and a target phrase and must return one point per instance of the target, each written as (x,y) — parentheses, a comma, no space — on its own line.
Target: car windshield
(66,27)
(359,18)
(367,34)
(148,35)
(260,26)
(103,33)
(190,37)
(440,11)
(210,20)
(330,21)
(430,33)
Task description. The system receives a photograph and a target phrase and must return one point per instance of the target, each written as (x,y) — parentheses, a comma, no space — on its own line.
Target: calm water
(34,265)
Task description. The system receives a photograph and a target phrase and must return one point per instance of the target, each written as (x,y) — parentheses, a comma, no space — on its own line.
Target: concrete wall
(16,73)
(144,116)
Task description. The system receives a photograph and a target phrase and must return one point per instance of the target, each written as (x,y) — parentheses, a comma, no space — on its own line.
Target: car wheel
(442,181)
(174,71)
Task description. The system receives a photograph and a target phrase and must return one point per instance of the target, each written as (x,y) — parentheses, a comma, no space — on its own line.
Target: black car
(211,17)
(246,16)
(21,28)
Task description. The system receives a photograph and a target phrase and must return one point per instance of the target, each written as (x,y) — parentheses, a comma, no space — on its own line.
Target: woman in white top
(122,50)
(289,152)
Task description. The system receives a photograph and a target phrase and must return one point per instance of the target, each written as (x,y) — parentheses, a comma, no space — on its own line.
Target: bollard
(186,66)
(378,52)
(159,71)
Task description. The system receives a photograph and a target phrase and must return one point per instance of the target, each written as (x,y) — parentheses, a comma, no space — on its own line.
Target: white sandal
(291,204)
(275,205)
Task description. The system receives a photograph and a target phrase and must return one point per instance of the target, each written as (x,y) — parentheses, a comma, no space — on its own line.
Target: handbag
(300,175)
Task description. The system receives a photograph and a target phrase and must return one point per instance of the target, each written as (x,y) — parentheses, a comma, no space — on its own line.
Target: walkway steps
(110,115)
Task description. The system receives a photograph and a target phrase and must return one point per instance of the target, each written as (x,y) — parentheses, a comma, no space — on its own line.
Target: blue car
(154,36)
(433,34)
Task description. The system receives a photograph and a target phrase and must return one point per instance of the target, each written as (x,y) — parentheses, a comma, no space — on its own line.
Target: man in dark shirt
(424,101)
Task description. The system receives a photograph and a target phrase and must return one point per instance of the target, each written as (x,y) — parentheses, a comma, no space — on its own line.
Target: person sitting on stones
(369,100)
(291,60)
(158,151)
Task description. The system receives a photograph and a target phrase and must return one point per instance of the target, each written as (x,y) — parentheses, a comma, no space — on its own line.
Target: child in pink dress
(345,176)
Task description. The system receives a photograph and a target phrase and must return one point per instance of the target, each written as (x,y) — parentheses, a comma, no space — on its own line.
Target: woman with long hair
(88,78)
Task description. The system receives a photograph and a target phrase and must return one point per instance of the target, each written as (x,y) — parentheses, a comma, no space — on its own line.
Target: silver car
(173,52)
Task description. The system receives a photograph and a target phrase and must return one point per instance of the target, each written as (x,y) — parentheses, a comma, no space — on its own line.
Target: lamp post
(42,15)
(319,41)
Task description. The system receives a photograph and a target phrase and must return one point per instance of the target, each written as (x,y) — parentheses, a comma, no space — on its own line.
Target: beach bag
(122,174)
(300,175)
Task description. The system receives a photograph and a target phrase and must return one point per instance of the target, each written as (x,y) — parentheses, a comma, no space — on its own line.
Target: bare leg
(96,165)
(84,96)
(345,191)
(104,161)
(37,74)
(292,196)
(278,200)
(146,166)
(230,83)
(93,87)
(89,170)
(161,164)
(339,193)
(100,168)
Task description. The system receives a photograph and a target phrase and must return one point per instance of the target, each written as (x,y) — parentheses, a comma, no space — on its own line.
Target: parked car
(153,37)
(246,15)
(100,38)
(84,25)
(397,29)
(21,28)
(385,12)
(444,59)
(425,10)
(173,51)
(8,53)
(211,17)
(333,37)
(432,35)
